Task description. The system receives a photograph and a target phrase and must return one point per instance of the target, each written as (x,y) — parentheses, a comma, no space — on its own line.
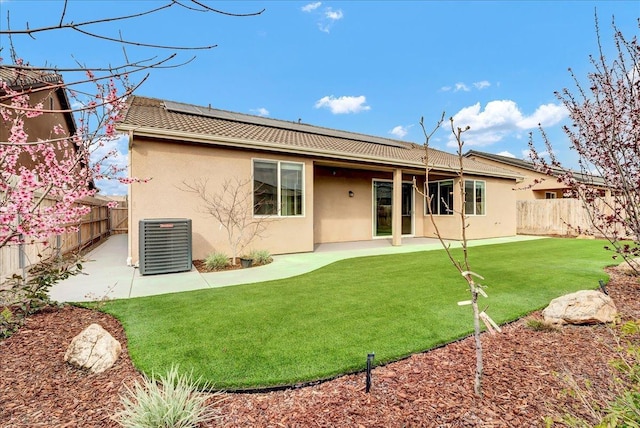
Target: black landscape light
(603,287)
(370,358)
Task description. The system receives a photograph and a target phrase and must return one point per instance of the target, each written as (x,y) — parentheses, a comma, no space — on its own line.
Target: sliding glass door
(383,208)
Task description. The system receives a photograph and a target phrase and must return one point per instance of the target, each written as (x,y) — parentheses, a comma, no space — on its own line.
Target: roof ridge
(149,116)
(208,111)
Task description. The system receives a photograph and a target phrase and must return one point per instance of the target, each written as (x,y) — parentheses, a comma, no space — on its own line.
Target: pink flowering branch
(605,133)
(43,182)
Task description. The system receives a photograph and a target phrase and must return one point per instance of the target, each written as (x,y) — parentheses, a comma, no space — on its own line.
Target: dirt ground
(524,379)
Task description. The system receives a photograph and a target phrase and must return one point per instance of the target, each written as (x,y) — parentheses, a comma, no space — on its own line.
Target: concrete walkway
(106,275)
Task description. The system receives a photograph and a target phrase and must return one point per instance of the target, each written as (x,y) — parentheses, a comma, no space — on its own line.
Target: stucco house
(535,184)
(544,205)
(46,88)
(43,87)
(322,185)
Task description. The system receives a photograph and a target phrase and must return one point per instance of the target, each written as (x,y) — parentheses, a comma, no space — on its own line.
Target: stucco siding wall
(499,220)
(41,127)
(169,164)
(340,218)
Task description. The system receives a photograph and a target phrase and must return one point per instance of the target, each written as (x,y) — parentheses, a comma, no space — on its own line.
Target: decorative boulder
(93,349)
(581,307)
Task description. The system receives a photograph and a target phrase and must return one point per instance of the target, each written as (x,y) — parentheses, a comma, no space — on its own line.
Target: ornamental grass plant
(171,401)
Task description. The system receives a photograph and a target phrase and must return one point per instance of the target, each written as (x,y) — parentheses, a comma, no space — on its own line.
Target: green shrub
(260,257)
(27,296)
(540,325)
(173,403)
(216,261)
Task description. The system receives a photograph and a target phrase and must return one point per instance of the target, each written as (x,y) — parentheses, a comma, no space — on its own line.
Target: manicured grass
(325,322)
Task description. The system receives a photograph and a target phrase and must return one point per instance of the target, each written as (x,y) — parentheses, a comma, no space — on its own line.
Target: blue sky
(374,67)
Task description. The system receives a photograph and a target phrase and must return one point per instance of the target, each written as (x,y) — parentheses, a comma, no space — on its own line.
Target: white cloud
(461,86)
(634,73)
(502,118)
(545,115)
(329,18)
(400,131)
(333,15)
(119,161)
(326,18)
(260,111)
(311,6)
(526,154)
(342,105)
(507,154)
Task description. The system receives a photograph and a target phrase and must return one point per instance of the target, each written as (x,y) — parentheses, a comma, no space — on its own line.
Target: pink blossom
(61,168)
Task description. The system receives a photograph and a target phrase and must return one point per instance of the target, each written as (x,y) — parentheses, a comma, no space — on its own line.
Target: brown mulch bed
(202,268)
(522,379)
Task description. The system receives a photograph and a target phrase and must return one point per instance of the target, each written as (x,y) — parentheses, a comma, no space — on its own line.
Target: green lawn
(324,323)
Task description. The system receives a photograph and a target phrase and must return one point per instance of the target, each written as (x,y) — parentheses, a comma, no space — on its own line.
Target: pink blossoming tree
(44,179)
(605,134)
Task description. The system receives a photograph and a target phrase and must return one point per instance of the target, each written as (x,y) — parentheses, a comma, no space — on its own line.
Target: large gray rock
(93,349)
(581,307)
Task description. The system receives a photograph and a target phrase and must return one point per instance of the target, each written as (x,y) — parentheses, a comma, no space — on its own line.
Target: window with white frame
(278,188)
(441,194)
(475,198)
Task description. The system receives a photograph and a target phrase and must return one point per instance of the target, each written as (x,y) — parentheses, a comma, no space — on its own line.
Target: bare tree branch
(233,207)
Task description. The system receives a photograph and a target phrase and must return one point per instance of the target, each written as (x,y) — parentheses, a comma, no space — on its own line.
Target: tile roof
(20,77)
(167,119)
(520,163)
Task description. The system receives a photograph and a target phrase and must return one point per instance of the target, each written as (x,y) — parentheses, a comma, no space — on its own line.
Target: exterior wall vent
(165,245)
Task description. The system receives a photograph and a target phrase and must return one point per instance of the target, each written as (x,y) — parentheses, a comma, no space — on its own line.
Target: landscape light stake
(370,358)
(603,287)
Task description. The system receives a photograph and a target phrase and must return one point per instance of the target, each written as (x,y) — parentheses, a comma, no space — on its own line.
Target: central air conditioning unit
(165,245)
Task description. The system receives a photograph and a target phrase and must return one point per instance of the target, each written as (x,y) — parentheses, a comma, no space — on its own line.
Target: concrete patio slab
(106,275)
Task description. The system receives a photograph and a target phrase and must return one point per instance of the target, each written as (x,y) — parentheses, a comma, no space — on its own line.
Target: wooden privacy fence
(563,217)
(97,224)
(119,218)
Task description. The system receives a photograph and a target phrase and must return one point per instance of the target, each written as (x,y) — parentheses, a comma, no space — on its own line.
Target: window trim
(484,201)
(426,192)
(550,195)
(278,164)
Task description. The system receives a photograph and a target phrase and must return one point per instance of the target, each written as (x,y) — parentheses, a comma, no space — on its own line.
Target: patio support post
(396,215)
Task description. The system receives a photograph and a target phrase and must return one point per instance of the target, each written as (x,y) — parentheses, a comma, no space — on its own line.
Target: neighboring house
(46,88)
(324,185)
(536,185)
(544,205)
(42,87)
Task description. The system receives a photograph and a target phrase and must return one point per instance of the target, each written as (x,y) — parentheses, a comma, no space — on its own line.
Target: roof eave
(193,137)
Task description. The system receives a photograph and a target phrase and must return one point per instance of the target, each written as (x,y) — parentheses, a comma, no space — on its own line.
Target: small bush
(26,296)
(174,403)
(216,261)
(539,325)
(260,257)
